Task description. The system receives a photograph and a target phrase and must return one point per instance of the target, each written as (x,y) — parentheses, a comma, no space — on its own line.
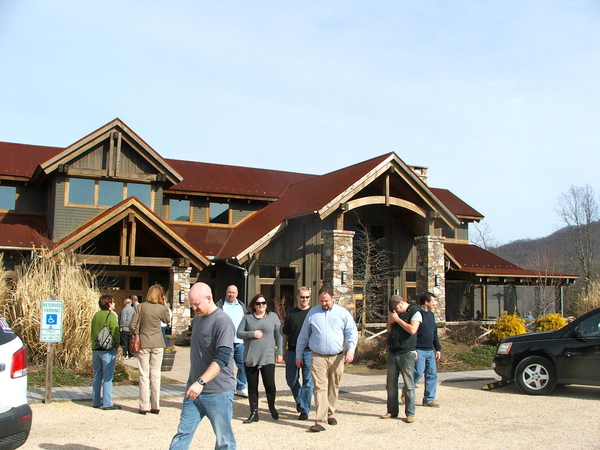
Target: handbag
(104,339)
(134,342)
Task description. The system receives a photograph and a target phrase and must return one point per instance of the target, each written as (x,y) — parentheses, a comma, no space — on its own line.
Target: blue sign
(52,319)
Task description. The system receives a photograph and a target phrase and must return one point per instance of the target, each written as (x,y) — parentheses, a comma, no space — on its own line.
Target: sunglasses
(305,296)
(260,303)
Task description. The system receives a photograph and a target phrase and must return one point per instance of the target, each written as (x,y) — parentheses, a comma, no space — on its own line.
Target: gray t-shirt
(209,333)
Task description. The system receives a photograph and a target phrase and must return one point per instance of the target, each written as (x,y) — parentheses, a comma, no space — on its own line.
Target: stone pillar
(431,275)
(179,281)
(338,266)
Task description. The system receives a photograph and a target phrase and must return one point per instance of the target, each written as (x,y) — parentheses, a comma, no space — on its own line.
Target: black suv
(539,361)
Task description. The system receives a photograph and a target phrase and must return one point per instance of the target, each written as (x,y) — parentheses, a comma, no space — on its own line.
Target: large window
(103,193)
(179,210)
(8,197)
(219,212)
(278,285)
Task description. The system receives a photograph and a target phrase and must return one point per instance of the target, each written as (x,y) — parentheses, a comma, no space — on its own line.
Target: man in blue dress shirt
(330,333)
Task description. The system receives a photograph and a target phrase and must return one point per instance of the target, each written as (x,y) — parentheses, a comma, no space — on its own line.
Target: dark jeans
(125,338)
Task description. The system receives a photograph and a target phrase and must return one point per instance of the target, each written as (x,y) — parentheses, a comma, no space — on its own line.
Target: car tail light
(19,363)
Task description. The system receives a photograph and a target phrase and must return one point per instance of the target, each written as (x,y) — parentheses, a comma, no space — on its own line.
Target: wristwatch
(201,381)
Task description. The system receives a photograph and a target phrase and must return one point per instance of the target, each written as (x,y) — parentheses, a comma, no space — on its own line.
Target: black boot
(253,417)
(272,410)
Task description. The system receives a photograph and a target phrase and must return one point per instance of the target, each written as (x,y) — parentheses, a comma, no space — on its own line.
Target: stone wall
(430,271)
(179,282)
(338,266)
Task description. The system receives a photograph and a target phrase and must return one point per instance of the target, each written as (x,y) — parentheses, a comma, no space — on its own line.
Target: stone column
(431,275)
(338,266)
(179,281)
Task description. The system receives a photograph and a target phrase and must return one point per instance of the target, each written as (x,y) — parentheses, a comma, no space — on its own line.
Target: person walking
(261,332)
(210,385)
(402,326)
(429,349)
(124,319)
(292,325)
(146,321)
(236,309)
(330,333)
(104,360)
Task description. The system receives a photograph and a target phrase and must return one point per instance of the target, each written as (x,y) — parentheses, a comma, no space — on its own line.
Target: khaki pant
(326,373)
(149,362)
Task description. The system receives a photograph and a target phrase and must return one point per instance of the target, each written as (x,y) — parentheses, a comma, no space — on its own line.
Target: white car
(15,413)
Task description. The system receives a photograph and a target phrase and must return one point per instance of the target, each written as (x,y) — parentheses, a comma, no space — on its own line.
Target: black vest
(399,340)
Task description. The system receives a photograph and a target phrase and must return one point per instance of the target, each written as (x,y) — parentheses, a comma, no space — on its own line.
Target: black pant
(125,338)
(268,378)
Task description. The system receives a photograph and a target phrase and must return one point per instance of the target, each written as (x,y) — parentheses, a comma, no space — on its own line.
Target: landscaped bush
(507,325)
(481,355)
(550,322)
(21,305)
(590,301)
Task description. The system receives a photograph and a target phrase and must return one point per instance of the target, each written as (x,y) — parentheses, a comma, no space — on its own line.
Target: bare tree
(482,236)
(578,209)
(373,273)
(547,295)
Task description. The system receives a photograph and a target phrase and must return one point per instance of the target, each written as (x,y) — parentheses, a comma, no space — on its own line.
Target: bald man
(211,382)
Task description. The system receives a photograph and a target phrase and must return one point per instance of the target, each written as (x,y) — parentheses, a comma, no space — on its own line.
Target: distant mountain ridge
(552,251)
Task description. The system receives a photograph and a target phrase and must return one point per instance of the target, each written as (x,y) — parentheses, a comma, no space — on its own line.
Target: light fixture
(344,277)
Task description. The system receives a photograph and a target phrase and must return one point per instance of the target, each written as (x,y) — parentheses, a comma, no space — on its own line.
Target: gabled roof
(111,216)
(23,232)
(458,207)
(471,259)
(320,195)
(101,134)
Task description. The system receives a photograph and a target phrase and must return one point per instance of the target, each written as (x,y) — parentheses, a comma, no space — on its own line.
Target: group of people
(144,319)
(315,344)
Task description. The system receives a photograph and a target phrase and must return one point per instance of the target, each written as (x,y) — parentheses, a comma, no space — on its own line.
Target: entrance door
(121,284)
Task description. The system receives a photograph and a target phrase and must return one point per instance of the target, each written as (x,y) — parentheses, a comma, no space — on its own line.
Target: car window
(6,333)
(589,326)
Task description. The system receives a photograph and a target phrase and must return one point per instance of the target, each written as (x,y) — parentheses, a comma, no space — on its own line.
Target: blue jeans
(302,392)
(218,407)
(400,364)
(238,357)
(426,364)
(104,369)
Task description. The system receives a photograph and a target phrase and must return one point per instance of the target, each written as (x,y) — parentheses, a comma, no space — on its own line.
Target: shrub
(21,305)
(507,325)
(550,322)
(589,301)
(481,355)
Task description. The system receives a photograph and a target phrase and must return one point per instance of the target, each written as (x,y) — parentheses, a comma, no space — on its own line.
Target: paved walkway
(180,371)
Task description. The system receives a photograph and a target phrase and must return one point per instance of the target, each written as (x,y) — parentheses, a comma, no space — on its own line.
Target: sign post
(51,331)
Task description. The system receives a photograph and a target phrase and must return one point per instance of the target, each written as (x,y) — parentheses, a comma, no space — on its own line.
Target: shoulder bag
(104,339)
(134,342)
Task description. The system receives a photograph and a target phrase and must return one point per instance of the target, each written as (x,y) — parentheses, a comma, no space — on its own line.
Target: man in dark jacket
(402,327)
(428,349)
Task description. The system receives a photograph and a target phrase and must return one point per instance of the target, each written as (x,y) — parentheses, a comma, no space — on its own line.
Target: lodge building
(135,218)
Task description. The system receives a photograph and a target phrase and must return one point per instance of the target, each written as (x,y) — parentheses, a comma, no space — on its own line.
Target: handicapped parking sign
(52,318)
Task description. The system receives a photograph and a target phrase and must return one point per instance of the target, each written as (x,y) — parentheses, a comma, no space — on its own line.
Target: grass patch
(60,378)
(480,355)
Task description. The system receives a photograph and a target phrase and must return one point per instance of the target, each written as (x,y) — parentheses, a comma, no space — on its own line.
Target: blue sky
(500,99)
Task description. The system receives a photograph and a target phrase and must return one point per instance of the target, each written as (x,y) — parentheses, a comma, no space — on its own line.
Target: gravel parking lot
(468,418)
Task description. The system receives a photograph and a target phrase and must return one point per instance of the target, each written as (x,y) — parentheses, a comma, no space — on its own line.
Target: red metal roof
(475,260)
(21,160)
(456,206)
(220,179)
(298,199)
(23,231)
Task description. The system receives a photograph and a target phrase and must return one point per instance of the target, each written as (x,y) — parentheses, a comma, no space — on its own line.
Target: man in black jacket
(428,349)
(402,327)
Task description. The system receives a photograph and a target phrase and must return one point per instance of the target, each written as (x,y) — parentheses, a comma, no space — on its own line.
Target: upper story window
(179,210)
(103,193)
(218,212)
(8,197)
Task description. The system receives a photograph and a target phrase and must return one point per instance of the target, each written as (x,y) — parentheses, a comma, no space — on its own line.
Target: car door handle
(2,367)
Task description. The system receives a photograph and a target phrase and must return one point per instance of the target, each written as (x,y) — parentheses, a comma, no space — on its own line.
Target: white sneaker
(242,393)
